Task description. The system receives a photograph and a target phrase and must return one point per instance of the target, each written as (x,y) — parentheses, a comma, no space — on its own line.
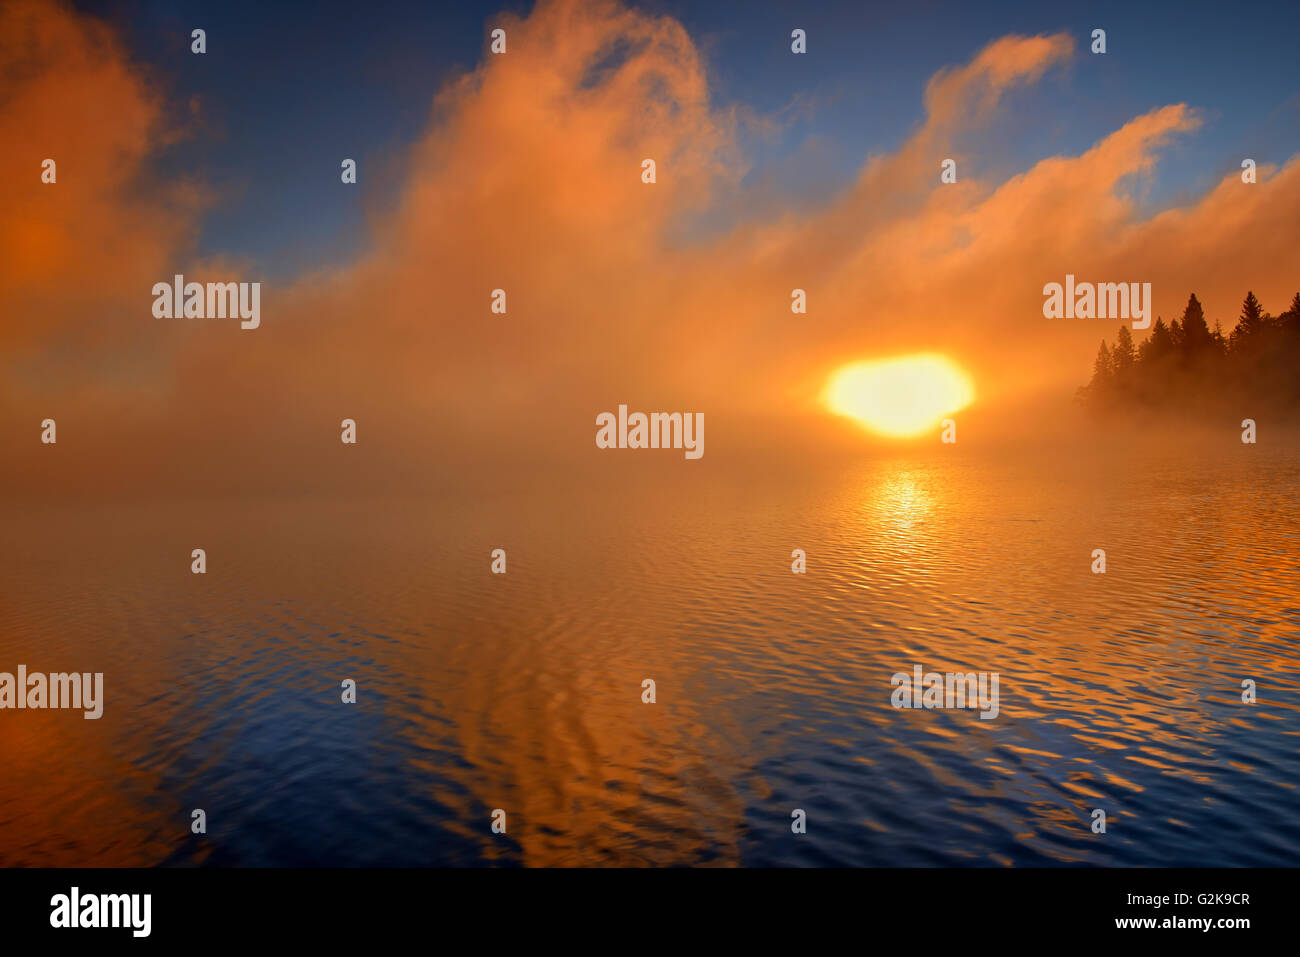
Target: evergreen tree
(1157,345)
(1185,368)
(1123,356)
(1102,369)
(1291,318)
(1195,331)
(1251,322)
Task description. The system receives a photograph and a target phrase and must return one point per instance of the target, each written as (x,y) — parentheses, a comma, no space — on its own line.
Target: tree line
(1186,367)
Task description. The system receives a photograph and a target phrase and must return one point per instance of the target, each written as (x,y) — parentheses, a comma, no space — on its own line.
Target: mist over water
(478,691)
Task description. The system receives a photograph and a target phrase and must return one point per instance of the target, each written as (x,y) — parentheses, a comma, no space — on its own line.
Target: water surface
(523,692)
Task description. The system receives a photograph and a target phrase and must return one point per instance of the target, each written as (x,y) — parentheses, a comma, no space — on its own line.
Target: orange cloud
(72,95)
(528,179)
(973,90)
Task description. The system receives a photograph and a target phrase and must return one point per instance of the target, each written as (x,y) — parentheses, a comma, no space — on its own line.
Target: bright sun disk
(899,397)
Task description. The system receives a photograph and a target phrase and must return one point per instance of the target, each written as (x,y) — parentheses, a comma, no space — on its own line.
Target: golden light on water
(899,397)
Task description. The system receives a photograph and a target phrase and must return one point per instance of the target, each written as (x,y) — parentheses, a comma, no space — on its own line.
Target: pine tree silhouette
(1251,322)
(1184,368)
(1196,333)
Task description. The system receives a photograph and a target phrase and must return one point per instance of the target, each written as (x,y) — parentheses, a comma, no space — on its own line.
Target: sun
(899,397)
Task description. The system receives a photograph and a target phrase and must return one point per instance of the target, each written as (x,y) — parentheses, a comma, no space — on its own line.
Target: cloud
(71,94)
(969,93)
(528,179)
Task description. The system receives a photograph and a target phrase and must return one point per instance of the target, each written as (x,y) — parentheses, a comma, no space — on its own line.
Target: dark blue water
(522,691)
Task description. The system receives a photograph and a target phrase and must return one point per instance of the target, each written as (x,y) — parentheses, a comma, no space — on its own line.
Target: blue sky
(287,90)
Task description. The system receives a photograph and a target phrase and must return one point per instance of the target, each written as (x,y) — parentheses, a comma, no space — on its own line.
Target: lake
(1119,691)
